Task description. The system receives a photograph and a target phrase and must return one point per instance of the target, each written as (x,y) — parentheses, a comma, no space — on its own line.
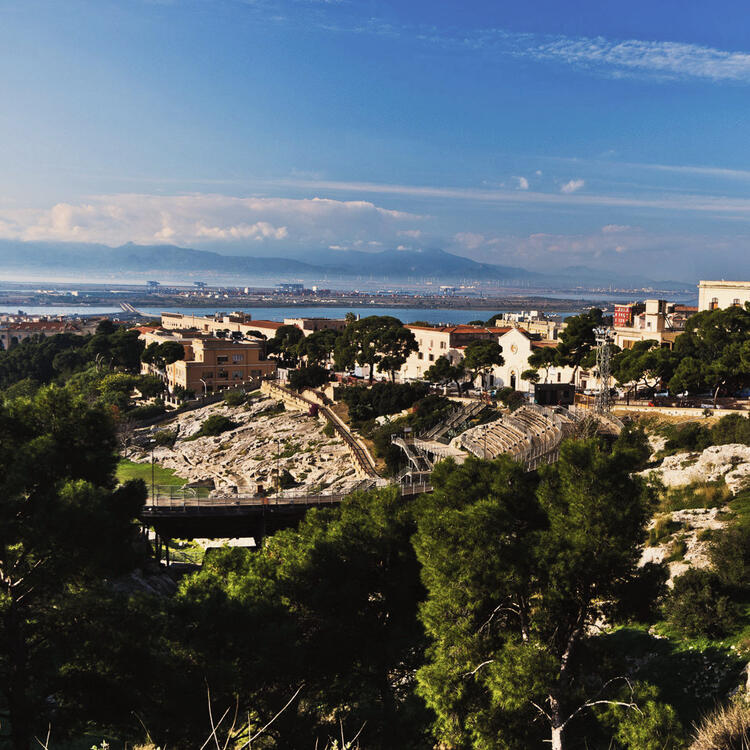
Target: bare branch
(260,731)
(541,710)
(476,669)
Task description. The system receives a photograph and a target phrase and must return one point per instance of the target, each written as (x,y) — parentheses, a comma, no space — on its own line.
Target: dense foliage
(381,399)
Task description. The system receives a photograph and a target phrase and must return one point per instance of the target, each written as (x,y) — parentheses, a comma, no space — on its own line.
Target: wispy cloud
(677,202)
(571,186)
(655,59)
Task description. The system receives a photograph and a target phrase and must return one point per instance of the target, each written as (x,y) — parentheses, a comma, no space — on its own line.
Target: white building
(713,295)
(518,346)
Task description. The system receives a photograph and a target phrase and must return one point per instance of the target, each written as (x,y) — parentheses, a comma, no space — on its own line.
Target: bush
(733,428)
(383,398)
(729,552)
(214,425)
(728,728)
(511,398)
(688,437)
(234,398)
(165,438)
(310,376)
(699,605)
(329,430)
(148,411)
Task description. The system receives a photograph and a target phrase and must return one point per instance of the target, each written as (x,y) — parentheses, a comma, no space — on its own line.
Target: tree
(481,356)
(285,342)
(310,376)
(578,339)
(442,371)
(316,600)
(517,568)
(63,527)
(713,353)
(646,364)
(318,347)
(531,375)
(378,340)
(542,358)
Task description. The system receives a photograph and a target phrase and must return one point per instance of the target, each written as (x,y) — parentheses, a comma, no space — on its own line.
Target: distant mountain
(147,259)
(174,263)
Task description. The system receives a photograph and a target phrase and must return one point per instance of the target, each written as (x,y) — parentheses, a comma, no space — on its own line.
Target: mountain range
(333,265)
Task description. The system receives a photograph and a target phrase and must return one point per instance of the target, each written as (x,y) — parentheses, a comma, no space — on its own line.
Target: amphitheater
(531,434)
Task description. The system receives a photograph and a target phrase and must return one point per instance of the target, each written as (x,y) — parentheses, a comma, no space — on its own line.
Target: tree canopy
(517,567)
(442,371)
(481,356)
(376,341)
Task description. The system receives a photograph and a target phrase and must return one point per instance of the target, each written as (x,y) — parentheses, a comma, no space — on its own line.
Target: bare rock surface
(728,462)
(245,457)
(692,522)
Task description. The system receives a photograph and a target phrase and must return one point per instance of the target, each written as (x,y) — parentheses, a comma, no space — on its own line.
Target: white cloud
(523,183)
(614,228)
(208,219)
(571,186)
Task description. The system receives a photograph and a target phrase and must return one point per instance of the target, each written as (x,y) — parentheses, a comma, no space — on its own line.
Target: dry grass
(728,728)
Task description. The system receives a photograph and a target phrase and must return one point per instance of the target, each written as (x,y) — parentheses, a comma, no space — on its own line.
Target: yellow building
(212,364)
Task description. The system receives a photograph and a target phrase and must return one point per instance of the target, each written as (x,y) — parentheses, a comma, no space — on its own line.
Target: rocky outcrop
(247,456)
(728,462)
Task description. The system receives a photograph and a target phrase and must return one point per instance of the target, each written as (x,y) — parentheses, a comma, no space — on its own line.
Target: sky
(541,134)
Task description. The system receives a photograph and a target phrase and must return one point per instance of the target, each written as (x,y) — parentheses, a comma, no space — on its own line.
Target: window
(714,303)
(207,374)
(238,357)
(432,357)
(237,375)
(736,302)
(442,344)
(420,355)
(222,358)
(222,374)
(559,377)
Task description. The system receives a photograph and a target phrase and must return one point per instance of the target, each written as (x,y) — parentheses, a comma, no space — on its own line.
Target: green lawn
(130,470)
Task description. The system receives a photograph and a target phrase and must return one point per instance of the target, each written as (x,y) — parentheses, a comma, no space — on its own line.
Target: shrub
(147,411)
(730,555)
(234,398)
(511,398)
(677,550)
(728,728)
(688,437)
(165,437)
(310,376)
(699,605)
(214,425)
(662,529)
(383,398)
(733,428)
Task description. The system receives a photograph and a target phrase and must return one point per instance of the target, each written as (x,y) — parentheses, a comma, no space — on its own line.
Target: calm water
(405,314)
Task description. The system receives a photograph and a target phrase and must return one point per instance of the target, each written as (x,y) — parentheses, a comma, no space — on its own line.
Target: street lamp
(205,388)
(152,443)
(278,475)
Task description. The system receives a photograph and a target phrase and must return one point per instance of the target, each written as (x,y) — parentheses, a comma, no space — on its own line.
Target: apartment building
(311,325)
(652,320)
(243,323)
(14,333)
(213,364)
(439,341)
(713,295)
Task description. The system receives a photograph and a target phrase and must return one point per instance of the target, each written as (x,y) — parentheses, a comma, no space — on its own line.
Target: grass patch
(700,495)
(127,470)
(677,550)
(662,529)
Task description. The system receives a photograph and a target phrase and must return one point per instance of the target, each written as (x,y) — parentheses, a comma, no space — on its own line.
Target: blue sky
(538,134)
